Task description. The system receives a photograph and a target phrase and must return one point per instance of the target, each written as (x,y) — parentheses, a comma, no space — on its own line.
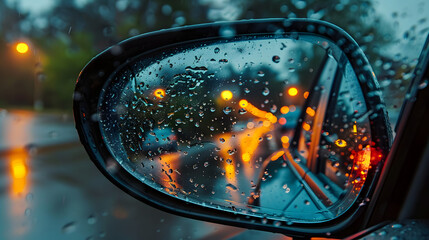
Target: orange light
(285,139)
(284,109)
(159,93)
(22,48)
(276,155)
(292,91)
(306,94)
(243,103)
(282,121)
(310,112)
(226,95)
(306,126)
(245,157)
(19,170)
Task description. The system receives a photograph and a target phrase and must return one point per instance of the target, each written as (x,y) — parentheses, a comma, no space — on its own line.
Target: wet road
(49,189)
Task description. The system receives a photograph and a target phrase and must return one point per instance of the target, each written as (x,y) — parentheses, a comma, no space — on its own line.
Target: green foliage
(66,57)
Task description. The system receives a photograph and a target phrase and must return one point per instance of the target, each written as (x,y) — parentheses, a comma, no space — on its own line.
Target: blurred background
(49,189)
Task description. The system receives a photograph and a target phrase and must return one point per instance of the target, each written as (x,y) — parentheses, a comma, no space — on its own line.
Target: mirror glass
(271,126)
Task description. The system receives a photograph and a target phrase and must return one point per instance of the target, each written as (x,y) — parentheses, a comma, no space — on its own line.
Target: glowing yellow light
(285,139)
(243,103)
(306,126)
(18,169)
(310,112)
(284,109)
(340,143)
(22,48)
(292,91)
(245,157)
(159,93)
(306,94)
(226,95)
(354,128)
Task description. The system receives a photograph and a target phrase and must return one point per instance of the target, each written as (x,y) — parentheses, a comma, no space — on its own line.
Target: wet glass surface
(213,124)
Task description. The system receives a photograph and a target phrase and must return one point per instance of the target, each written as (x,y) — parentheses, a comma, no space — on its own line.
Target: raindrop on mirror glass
(92,219)
(217,50)
(266,91)
(69,227)
(227,110)
(276,59)
(423,84)
(28,212)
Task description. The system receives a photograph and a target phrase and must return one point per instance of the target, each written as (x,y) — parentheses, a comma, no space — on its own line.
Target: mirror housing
(91,85)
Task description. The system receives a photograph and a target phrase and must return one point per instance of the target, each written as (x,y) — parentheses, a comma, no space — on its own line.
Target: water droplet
(231,187)
(227,110)
(229,160)
(69,228)
(212,109)
(273,109)
(261,73)
(222,140)
(216,50)
(28,212)
(29,197)
(246,90)
(206,164)
(276,59)
(92,219)
(242,111)
(266,91)
(423,84)
(178,121)
(396,226)
(102,234)
(227,32)
(212,128)
(306,202)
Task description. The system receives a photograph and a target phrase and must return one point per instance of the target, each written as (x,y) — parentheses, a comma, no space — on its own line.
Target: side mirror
(273,124)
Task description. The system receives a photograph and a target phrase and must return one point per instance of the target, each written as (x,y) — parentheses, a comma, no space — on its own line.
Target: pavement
(49,189)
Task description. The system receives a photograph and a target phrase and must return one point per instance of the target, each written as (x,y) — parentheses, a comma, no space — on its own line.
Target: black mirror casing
(93,77)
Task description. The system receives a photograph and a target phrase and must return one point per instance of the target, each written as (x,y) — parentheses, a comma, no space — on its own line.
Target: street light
(22,48)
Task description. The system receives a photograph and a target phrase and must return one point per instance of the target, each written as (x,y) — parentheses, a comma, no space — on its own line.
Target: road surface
(49,189)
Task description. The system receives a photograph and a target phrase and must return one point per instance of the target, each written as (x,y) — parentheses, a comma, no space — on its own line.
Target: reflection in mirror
(269,126)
